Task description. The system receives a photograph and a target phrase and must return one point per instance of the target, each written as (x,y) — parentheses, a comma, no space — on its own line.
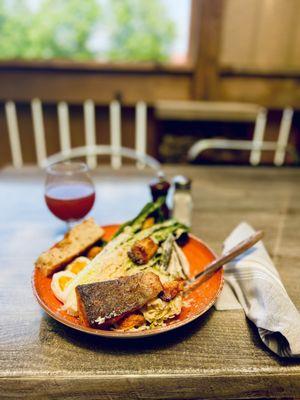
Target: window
(99,30)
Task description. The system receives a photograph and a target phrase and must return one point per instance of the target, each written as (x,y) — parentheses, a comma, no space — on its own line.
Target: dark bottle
(159,187)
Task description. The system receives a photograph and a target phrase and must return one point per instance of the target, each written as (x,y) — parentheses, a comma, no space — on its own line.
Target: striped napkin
(252,283)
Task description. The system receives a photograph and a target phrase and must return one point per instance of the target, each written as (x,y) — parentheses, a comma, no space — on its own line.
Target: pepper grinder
(159,187)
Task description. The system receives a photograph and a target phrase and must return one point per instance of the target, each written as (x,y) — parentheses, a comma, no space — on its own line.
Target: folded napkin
(252,283)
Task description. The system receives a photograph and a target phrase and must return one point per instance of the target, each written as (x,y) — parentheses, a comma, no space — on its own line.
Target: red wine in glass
(70,202)
(69,192)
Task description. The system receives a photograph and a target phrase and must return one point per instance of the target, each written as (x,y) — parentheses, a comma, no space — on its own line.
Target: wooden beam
(95,66)
(102,87)
(254,71)
(194,36)
(206,72)
(272,93)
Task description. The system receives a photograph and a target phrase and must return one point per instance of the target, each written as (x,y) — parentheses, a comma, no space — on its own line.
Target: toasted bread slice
(75,242)
(104,303)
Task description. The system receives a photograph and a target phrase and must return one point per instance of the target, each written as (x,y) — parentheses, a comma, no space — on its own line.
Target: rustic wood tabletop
(218,356)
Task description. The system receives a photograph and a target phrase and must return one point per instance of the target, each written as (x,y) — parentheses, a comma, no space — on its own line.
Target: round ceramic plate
(196,302)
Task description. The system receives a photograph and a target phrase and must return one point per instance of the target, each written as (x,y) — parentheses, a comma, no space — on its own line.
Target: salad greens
(168,262)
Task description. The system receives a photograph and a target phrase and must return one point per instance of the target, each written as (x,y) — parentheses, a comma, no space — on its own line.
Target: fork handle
(228,256)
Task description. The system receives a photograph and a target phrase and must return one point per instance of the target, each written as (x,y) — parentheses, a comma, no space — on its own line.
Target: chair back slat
(64,127)
(283,136)
(38,131)
(90,131)
(13,133)
(141,130)
(115,132)
(258,137)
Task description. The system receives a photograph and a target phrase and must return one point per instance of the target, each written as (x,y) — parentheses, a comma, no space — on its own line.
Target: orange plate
(196,302)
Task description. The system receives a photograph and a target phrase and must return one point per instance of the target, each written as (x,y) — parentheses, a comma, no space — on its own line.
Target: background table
(218,356)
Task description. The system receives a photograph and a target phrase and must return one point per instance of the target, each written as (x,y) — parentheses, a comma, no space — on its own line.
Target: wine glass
(69,191)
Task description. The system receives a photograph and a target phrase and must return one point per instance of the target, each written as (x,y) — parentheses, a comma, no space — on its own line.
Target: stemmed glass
(69,191)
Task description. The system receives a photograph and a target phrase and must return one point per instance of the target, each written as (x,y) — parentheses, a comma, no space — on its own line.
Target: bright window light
(101,30)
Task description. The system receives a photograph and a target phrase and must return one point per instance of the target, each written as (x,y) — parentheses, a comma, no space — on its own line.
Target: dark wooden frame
(206,24)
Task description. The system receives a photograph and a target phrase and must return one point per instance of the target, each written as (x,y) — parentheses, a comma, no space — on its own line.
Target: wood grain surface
(218,356)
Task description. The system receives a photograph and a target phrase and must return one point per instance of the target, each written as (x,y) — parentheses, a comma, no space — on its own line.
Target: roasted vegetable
(132,321)
(137,223)
(150,221)
(171,290)
(167,248)
(142,251)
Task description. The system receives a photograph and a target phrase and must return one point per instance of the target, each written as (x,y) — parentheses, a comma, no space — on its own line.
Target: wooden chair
(234,112)
(91,149)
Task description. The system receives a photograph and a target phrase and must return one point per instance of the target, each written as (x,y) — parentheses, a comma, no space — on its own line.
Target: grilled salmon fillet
(104,303)
(75,242)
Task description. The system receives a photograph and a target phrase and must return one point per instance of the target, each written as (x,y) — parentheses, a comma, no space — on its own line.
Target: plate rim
(128,335)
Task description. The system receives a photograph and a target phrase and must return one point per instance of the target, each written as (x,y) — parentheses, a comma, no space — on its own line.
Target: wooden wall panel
(295,48)
(261,34)
(275,33)
(239,32)
(272,93)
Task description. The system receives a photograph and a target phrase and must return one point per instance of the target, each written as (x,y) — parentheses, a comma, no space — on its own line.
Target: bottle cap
(182,182)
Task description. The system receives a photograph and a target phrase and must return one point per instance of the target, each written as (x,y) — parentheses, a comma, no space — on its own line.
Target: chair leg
(141,130)
(258,137)
(283,136)
(13,133)
(115,132)
(38,131)
(64,127)
(90,131)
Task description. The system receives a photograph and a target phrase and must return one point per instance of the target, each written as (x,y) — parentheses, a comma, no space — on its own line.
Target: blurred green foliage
(55,29)
(137,30)
(141,31)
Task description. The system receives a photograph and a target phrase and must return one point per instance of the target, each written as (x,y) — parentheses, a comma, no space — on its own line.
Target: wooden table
(218,356)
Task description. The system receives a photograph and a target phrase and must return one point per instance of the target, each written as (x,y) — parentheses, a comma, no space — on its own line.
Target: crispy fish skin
(104,303)
(142,251)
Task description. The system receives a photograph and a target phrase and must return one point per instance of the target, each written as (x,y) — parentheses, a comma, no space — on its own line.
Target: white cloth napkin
(253,283)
